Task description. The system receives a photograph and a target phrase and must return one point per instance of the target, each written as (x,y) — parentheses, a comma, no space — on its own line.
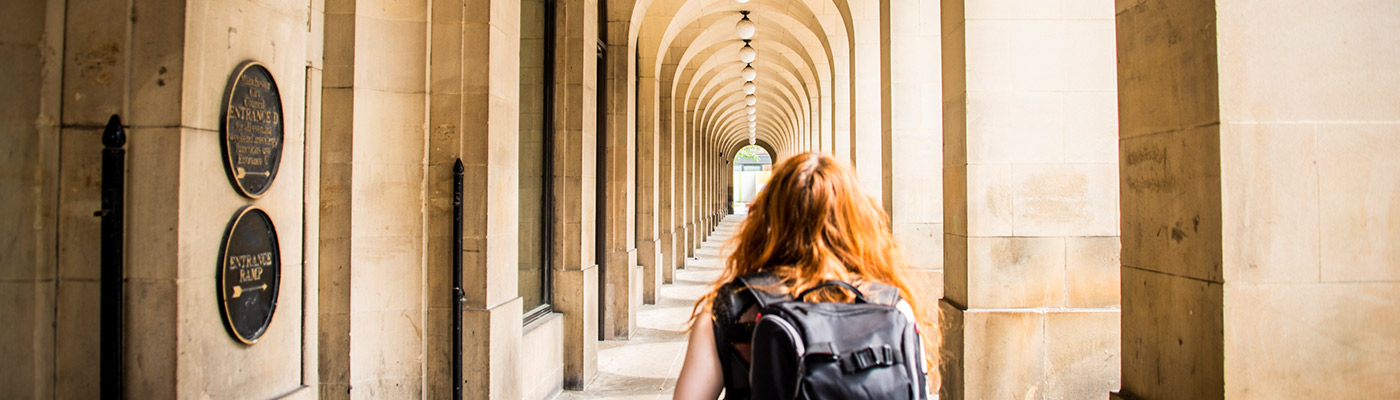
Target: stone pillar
(1031,238)
(673,131)
(1261,257)
(843,84)
(373,176)
(720,188)
(650,236)
(708,183)
(913,133)
(69,68)
(29,180)
(620,241)
(686,193)
(475,116)
(688,168)
(697,173)
(667,217)
(867,134)
(575,179)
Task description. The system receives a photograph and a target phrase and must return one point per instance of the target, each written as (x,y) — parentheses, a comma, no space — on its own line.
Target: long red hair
(812,223)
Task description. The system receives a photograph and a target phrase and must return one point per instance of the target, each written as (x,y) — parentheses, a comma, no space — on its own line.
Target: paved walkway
(646,366)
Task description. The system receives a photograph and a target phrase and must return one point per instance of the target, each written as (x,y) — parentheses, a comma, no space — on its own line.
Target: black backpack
(863,350)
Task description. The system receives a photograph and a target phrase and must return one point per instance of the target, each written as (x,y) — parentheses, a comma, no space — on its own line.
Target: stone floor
(646,366)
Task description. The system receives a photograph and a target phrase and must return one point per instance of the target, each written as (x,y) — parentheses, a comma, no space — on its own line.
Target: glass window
(536,48)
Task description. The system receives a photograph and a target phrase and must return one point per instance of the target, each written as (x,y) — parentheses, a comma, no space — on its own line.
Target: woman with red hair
(811,224)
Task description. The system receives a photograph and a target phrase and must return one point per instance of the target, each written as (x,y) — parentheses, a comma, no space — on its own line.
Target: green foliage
(749,153)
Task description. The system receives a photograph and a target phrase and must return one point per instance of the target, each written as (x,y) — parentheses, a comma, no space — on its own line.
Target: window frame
(547,173)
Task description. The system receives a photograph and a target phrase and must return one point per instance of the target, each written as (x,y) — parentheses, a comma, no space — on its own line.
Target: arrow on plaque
(238,290)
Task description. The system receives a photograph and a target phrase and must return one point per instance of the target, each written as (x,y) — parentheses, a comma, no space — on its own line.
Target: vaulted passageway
(1131,198)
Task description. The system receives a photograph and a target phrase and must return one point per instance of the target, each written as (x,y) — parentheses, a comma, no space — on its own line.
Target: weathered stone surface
(1173,336)
(1092,272)
(542,357)
(1359,186)
(1082,354)
(576,296)
(1167,77)
(1270,210)
(1004,357)
(1015,272)
(1169,183)
(1321,340)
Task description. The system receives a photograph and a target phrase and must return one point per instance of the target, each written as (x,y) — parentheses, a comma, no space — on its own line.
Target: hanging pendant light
(745,28)
(749,74)
(747,53)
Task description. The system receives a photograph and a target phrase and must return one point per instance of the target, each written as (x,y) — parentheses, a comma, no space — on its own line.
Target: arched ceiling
(690,48)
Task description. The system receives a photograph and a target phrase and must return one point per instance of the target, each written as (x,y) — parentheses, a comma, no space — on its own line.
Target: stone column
(706,196)
(475,116)
(672,122)
(842,88)
(717,195)
(912,139)
(29,180)
(621,161)
(69,68)
(867,135)
(697,173)
(667,200)
(1261,257)
(373,179)
(650,236)
(1031,238)
(575,179)
(688,168)
(716,186)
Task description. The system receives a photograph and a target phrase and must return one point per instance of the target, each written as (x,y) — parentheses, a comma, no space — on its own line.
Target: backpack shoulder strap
(759,284)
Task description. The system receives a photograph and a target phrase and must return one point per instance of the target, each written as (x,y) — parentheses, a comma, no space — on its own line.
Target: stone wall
(1031,200)
(152,63)
(31,57)
(1260,254)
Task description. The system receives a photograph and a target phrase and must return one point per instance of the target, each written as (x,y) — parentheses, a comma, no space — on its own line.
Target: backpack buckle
(867,358)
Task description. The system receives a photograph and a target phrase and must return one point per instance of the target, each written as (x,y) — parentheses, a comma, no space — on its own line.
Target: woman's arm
(701,376)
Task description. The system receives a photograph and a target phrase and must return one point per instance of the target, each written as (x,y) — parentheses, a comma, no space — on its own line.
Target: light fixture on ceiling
(749,74)
(747,53)
(751,141)
(745,28)
(750,87)
(750,99)
(753,117)
(751,110)
(753,124)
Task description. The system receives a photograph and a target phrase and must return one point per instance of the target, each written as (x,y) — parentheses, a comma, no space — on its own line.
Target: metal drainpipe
(113,270)
(459,296)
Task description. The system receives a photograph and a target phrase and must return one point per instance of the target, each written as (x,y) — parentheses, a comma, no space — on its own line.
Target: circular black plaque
(250,272)
(251,129)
